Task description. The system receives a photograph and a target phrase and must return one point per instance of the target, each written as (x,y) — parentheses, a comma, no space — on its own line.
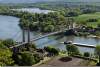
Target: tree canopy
(5,57)
(72,49)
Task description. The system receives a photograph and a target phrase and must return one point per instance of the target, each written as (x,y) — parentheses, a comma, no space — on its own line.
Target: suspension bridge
(40,37)
(71,26)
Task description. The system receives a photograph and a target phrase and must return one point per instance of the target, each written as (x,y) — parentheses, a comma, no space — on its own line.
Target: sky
(32,1)
(19,1)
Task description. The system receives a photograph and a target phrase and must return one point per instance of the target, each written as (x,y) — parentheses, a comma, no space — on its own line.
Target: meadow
(83,19)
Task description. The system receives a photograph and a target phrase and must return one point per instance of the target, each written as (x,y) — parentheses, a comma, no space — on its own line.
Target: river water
(33,10)
(9,29)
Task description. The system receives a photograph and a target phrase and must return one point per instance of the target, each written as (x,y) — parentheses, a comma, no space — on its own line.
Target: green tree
(49,28)
(72,49)
(72,14)
(5,57)
(30,47)
(27,58)
(86,54)
(2,46)
(99,25)
(52,50)
(8,42)
(87,11)
(97,51)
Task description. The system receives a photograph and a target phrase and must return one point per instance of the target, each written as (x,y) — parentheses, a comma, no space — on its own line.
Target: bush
(30,46)
(82,34)
(49,28)
(86,11)
(52,50)
(97,33)
(26,58)
(8,42)
(97,52)
(98,64)
(6,57)
(72,14)
(72,50)
(92,20)
(86,54)
(99,25)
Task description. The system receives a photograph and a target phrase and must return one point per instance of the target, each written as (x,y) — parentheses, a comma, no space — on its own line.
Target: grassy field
(85,17)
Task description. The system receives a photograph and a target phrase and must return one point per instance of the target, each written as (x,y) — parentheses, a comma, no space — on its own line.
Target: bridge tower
(28,35)
(23,35)
(71,24)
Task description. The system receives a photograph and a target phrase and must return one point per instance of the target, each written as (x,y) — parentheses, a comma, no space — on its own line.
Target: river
(33,10)
(9,29)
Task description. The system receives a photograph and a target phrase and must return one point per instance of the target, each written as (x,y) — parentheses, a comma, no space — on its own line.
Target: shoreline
(94,36)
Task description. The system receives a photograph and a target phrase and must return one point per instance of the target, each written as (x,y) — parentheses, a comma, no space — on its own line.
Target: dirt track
(58,63)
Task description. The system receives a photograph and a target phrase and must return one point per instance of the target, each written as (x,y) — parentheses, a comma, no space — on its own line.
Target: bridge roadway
(35,39)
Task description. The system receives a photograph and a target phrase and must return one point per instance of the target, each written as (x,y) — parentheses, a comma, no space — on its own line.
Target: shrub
(30,46)
(8,42)
(26,58)
(86,54)
(92,20)
(5,57)
(86,11)
(97,33)
(52,50)
(72,49)
(72,14)
(97,52)
(99,25)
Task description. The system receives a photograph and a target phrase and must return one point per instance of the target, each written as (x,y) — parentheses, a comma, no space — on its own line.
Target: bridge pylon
(23,35)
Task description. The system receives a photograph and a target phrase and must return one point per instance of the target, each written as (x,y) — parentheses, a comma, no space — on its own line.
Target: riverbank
(87,34)
(42,42)
(94,36)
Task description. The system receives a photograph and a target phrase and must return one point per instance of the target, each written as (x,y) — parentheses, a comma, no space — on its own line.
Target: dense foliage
(97,51)
(72,49)
(27,58)
(87,54)
(52,50)
(5,55)
(44,22)
(8,42)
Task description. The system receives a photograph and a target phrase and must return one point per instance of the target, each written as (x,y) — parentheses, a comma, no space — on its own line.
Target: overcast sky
(30,1)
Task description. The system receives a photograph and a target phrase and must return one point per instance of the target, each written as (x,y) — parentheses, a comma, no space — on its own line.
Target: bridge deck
(54,33)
